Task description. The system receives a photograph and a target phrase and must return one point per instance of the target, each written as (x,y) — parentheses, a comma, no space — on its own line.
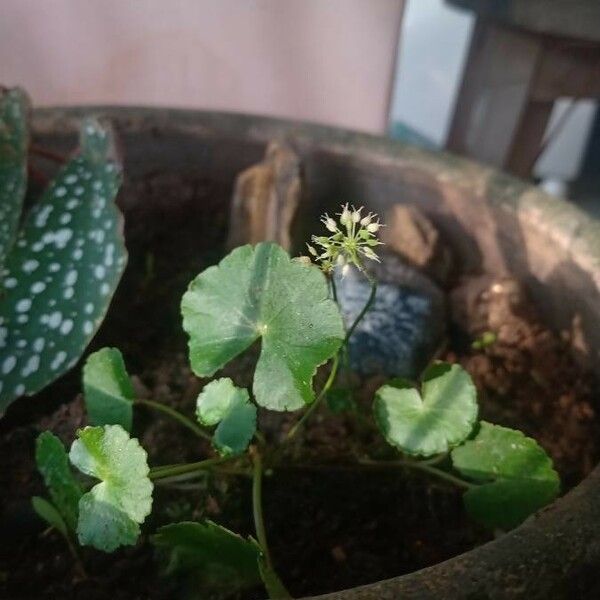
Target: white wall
(324,60)
(434,41)
(563,156)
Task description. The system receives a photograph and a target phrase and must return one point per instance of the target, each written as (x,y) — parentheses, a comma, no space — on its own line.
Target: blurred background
(513,83)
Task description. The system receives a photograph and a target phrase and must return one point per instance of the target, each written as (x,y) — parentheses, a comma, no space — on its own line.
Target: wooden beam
(567,68)
(497,80)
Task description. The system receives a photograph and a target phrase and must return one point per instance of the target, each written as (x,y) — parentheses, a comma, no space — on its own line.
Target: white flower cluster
(353,238)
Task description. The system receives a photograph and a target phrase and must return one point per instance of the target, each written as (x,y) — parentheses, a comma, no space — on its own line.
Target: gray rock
(401,332)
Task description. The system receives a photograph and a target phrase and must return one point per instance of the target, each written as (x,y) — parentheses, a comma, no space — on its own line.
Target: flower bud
(356,215)
(373,227)
(345,270)
(311,250)
(366,220)
(303,260)
(346,216)
(330,224)
(370,254)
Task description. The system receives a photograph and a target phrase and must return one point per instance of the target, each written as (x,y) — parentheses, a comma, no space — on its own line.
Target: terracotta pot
(494,222)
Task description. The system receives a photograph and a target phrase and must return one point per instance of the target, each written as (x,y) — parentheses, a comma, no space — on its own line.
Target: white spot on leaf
(23,305)
(9,364)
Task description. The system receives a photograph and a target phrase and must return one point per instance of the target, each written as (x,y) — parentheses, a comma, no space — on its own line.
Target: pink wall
(325,60)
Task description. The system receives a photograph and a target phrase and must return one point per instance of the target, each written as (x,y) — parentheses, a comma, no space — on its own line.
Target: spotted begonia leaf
(53,464)
(259,292)
(111,512)
(108,389)
(515,474)
(14,141)
(434,423)
(63,270)
(223,404)
(211,553)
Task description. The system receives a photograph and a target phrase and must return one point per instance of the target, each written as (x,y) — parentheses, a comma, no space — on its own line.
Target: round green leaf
(434,422)
(62,271)
(235,431)
(259,292)
(515,474)
(229,406)
(108,389)
(110,513)
(53,464)
(215,399)
(215,555)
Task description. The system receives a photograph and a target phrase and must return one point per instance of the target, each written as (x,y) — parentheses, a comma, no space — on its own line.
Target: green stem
(333,289)
(259,523)
(182,469)
(336,360)
(434,460)
(334,368)
(365,308)
(344,360)
(79,567)
(273,583)
(178,479)
(426,468)
(171,480)
(175,414)
(461,483)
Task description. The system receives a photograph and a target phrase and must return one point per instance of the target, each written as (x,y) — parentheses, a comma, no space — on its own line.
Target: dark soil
(331,526)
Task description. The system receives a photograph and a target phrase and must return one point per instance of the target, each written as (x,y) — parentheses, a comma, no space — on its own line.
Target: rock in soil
(265,199)
(410,234)
(405,325)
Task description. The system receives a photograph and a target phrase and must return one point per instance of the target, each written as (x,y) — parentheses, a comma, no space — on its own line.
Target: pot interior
(180,170)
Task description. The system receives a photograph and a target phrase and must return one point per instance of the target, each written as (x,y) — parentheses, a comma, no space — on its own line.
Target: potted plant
(261,292)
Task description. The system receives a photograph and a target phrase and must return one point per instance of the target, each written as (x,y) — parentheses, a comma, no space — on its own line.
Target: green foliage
(110,513)
(47,512)
(259,292)
(53,464)
(486,339)
(515,474)
(108,389)
(511,474)
(216,556)
(62,270)
(432,422)
(223,404)
(14,142)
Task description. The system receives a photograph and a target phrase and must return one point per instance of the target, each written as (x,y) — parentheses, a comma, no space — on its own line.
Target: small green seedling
(60,267)
(260,293)
(485,340)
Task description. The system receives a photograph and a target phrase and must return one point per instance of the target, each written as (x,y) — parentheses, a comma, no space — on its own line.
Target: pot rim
(545,557)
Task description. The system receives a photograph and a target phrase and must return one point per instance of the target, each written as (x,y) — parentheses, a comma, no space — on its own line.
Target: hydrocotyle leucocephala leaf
(260,292)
